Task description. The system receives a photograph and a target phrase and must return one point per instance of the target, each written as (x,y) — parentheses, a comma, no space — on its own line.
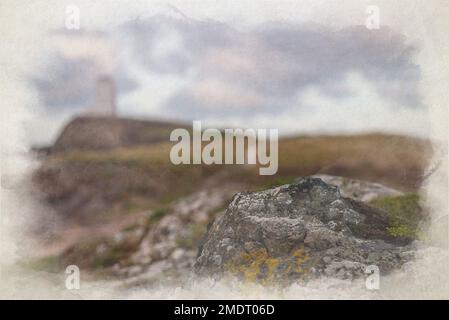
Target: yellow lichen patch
(258,266)
(300,258)
(271,264)
(252,264)
(296,266)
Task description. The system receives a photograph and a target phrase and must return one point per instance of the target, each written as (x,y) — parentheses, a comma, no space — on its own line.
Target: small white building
(104,104)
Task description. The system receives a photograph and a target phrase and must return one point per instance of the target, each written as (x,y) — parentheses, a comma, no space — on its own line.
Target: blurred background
(299,77)
(347,101)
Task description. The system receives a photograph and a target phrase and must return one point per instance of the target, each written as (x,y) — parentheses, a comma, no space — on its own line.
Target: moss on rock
(405,212)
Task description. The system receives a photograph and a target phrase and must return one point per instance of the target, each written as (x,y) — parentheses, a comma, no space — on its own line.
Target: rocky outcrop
(357,189)
(170,245)
(299,231)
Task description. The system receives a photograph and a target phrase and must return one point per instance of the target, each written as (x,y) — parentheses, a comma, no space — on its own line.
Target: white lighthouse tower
(104,98)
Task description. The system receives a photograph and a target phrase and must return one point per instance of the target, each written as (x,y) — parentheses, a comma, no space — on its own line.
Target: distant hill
(129,178)
(103,133)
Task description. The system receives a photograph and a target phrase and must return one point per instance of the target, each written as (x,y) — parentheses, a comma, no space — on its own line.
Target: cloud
(364,110)
(67,80)
(222,73)
(265,69)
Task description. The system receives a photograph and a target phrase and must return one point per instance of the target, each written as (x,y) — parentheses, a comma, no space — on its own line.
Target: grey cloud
(285,59)
(196,36)
(66,82)
(259,70)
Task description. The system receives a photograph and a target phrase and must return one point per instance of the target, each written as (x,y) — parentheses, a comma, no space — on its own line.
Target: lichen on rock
(300,231)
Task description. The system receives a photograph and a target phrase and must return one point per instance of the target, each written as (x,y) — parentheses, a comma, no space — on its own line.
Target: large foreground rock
(299,231)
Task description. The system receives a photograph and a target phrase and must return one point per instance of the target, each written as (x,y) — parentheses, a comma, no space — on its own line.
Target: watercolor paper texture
(93,205)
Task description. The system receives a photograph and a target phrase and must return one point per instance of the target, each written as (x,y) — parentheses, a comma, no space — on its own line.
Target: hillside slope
(94,133)
(88,184)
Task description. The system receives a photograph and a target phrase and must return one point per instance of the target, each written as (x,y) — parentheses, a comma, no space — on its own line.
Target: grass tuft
(406,214)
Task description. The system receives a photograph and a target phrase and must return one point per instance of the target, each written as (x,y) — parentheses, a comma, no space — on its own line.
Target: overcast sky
(284,69)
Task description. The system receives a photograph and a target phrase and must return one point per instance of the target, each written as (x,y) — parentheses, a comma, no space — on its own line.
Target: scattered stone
(161,242)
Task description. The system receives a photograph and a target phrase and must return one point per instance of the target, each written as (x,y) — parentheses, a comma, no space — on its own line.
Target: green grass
(278,181)
(50,263)
(353,156)
(87,255)
(405,213)
(111,256)
(137,156)
(156,215)
(192,237)
(357,156)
